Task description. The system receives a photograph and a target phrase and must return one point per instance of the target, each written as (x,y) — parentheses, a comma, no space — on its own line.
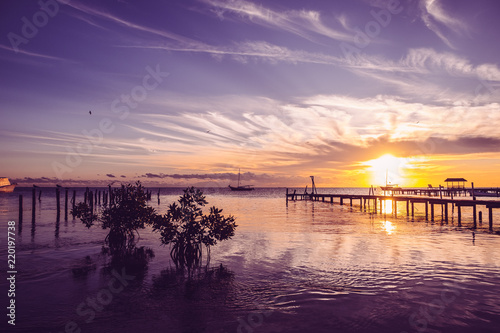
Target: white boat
(6,186)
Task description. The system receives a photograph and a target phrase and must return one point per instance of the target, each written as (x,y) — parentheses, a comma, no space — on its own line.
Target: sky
(175,93)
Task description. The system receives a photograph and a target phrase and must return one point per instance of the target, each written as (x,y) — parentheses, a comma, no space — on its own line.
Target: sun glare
(388,227)
(387,169)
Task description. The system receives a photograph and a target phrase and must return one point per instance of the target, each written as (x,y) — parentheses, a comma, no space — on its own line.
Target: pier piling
(58,203)
(20,210)
(33,205)
(66,204)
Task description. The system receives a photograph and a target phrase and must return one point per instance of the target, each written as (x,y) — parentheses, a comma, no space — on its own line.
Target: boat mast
(238,177)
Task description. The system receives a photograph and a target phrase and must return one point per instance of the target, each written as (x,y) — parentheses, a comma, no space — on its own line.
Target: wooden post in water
(426,211)
(412,210)
(480,217)
(446,212)
(432,212)
(91,200)
(40,196)
(33,205)
(474,212)
(459,212)
(407,207)
(473,194)
(20,210)
(159,196)
(74,202)
(490,218)
(66,205)
(58,203)
(110,195)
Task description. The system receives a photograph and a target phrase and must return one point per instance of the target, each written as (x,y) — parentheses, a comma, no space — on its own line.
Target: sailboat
(388,186)
(241,187)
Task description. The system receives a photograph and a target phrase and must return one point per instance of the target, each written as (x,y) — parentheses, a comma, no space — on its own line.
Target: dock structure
(376,203)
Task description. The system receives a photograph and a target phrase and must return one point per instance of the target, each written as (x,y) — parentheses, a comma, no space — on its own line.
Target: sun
(387,169)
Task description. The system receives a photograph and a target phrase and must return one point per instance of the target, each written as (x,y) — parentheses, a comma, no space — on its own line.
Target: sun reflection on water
(386,206)
(389,227)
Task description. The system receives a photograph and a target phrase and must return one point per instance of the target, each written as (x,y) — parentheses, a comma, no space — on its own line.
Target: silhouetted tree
(124,217)
(188,229)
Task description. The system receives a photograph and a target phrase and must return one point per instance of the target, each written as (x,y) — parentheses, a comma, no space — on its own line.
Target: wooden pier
(376,204)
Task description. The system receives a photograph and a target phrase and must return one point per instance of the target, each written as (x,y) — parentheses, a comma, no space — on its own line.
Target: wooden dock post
(446,212)
(110,195)
(490,217)
(58,203)
(91,201)
(407,207)
(432,212)
(459,212)
(285,195)
(412,210)
(480,217)
(341,201)
(395,207)
(20,210)
(33,205)
(66,205)
(426,210)
(73,203)
(474,212)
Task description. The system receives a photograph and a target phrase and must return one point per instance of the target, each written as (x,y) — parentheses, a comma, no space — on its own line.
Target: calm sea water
(305,267)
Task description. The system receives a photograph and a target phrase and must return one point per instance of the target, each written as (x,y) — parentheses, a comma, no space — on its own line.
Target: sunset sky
(185,92)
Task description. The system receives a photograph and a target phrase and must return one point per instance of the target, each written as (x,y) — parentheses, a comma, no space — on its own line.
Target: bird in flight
(90,112)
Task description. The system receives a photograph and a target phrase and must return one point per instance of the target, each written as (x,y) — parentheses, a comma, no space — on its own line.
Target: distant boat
(388,186)
(6,186)
(241,187)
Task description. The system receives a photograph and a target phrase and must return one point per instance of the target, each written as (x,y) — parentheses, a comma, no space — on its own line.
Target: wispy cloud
(436,18)
(102,14)
(304,23)
(33,54)
(328,128)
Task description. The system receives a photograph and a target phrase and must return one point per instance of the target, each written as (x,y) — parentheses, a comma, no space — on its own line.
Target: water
(308,267)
